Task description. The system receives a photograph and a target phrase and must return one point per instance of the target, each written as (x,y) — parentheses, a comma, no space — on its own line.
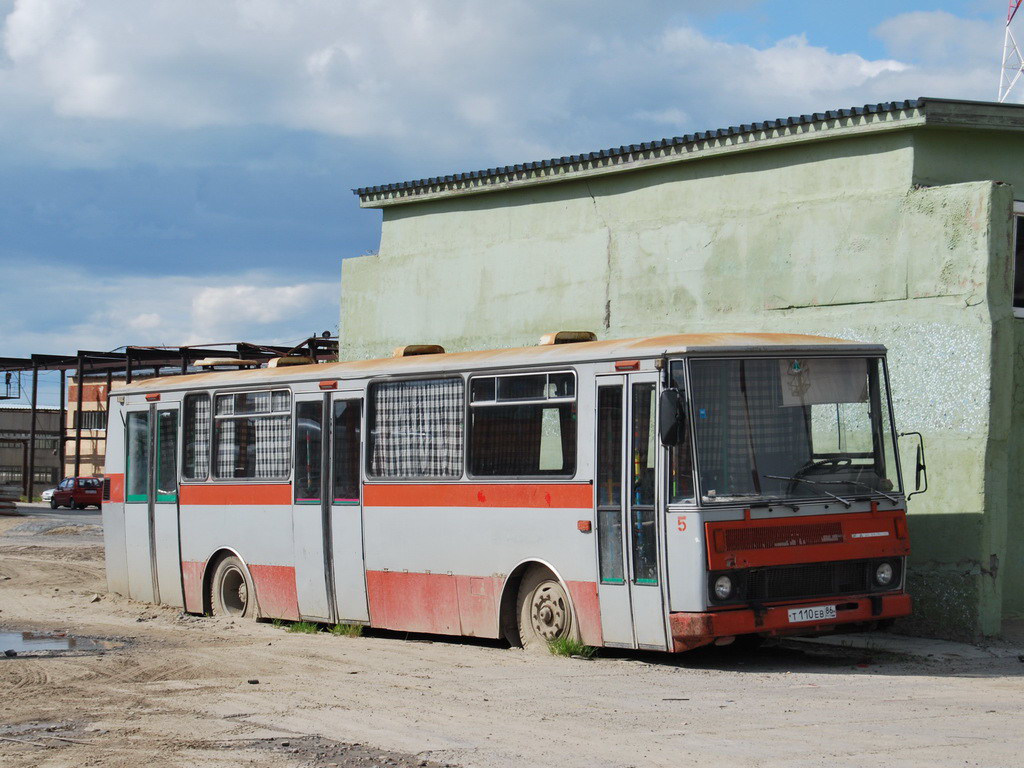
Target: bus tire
(545,612)
(231,590)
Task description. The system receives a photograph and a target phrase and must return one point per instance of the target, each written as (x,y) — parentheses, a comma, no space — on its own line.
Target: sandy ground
(175,690)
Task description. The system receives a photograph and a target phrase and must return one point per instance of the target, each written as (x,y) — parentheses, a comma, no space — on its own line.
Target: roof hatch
(566,337)
(281,362)
(234,362)
(409,350)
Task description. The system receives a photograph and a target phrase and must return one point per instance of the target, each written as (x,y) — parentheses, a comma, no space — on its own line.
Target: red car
(78,493)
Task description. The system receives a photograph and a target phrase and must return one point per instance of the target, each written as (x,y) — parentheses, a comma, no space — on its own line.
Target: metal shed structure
(131,362)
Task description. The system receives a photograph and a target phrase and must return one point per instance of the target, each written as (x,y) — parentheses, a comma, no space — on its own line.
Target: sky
(177,171)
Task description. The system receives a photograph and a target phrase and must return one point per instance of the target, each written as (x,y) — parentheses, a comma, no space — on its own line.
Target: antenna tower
(1013,62)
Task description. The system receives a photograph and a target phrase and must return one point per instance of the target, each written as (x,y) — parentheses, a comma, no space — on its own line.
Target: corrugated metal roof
(629,149)
(518,357)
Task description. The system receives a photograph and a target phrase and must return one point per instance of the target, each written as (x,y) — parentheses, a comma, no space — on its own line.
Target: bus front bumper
(692,630)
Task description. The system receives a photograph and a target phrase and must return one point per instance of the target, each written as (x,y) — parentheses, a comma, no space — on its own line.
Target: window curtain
(417,428)
(197,449)
(226,448)
(272,444)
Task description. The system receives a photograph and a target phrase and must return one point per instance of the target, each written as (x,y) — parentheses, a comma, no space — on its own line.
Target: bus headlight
(723,588)
(884,574)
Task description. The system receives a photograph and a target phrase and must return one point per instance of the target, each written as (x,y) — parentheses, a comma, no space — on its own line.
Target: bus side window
(308,450)
(196,437)
(523,425)
(252,435)
(167,456)
(346,451)
(137,470)
(416,428)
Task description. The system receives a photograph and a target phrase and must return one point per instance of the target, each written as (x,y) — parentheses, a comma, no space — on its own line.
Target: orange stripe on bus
(248,493)
(565,496)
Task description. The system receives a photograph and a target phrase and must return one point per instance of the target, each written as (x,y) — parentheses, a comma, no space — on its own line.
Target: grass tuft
(570,646)
(347,630)
(312,628)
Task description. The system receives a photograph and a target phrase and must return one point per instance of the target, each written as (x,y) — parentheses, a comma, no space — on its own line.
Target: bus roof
(517,357)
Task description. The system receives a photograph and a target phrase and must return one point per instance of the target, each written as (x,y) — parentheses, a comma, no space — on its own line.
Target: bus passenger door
(310,521)
(151,505)
(164,506)
(628,525)
(346,509)
(138,512)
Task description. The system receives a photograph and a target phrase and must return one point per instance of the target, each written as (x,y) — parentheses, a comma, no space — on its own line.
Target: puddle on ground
(37,642)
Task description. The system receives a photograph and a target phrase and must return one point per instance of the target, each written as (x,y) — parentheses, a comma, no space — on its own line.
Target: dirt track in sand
(176,692)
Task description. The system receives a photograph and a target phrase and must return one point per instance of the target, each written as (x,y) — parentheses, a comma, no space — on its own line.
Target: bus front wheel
(545,613)
(231,591)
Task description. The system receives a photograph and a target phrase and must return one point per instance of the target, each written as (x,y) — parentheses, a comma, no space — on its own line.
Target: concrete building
(894,223)
(93,418)
(15,425)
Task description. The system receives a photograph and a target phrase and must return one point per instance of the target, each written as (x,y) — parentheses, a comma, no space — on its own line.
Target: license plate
(811,613)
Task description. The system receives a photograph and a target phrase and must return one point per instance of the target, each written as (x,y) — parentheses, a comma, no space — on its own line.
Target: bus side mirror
(671,417)
(921,467)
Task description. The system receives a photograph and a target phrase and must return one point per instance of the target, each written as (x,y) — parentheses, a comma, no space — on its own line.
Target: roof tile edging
(631,153)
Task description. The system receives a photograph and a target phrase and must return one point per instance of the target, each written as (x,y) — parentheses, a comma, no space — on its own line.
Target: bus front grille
(797,581)
(795,534)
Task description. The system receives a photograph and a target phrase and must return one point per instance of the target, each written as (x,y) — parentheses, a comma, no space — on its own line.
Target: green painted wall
(832,237)
(1013,564)
(950,156)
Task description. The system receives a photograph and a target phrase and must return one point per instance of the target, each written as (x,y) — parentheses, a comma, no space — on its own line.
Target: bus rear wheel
(231,591)
(545,613)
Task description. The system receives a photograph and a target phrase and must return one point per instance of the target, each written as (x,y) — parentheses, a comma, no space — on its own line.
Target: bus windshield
(792,428)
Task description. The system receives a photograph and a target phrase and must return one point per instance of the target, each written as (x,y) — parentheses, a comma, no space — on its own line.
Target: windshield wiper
(813,485)
(893,499)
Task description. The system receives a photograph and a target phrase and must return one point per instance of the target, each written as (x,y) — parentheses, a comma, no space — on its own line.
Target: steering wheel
(832,461)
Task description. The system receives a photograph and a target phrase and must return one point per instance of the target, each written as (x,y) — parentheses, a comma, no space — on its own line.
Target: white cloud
(950,57)
(354,69)
(672,116)
(69,309)
(450,79)
(147,321)
(942,39)
(256,305)
(747,83)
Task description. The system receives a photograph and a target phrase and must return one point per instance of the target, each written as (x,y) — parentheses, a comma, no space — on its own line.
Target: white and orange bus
(656,493)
